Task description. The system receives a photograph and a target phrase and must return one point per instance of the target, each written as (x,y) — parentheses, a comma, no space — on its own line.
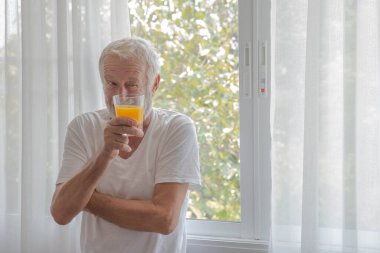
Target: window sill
(199,244)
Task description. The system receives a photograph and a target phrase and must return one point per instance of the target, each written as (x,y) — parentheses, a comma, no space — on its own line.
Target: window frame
(252,233)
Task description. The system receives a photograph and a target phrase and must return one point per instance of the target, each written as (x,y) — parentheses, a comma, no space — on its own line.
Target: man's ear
(156,84)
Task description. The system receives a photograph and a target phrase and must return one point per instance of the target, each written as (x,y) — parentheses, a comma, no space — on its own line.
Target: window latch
(263,68)
(247,72)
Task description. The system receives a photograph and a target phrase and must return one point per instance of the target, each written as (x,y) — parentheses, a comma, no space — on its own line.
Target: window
(198,44)
(231,213)
(210,63)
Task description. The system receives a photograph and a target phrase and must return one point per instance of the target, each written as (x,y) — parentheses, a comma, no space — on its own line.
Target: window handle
(247,73)
(263,68)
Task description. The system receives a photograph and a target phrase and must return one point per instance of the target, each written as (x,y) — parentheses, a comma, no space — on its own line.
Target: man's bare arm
(71,197)
(158,215)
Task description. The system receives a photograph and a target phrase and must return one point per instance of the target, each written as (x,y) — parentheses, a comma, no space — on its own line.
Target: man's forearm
(72,196)
(159,214)
(140,215)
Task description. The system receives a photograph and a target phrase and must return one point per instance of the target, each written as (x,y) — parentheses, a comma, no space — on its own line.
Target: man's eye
(112,83)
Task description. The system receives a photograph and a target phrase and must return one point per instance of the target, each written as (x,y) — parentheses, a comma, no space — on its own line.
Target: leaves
(198,42)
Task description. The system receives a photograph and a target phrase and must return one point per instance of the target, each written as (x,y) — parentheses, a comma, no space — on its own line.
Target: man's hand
(116,134)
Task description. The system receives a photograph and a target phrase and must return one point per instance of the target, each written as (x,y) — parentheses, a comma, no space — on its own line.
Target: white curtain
(326,126)
(48,74)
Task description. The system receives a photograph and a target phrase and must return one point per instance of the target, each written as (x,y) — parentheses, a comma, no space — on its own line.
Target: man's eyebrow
(108,77)
(132,81)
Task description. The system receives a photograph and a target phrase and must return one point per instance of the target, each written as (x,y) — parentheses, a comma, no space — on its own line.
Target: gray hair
(137,48)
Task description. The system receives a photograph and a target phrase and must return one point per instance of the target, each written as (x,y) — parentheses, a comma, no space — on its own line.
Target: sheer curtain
(48,74)
(326,126)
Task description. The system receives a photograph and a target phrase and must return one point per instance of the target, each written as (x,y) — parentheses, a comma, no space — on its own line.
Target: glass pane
(198,44)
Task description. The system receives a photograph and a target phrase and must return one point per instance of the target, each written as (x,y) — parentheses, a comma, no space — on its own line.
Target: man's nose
(123,90)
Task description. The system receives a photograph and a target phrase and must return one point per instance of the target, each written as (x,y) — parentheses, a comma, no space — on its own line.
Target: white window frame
(252,233)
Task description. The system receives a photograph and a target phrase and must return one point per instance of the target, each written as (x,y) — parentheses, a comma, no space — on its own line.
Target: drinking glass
(130,106)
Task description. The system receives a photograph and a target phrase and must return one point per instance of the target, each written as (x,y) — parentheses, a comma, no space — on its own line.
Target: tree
(198,44)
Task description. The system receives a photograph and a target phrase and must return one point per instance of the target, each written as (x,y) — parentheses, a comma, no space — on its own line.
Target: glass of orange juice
(130,106)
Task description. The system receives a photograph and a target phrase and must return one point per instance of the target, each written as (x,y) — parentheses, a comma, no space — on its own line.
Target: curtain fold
(48,74)
(10,127)
(326,126)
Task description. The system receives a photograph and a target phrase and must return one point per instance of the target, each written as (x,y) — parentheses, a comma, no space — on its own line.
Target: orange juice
(130,111)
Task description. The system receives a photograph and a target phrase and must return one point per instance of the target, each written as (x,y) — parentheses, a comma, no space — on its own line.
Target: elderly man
(131,183)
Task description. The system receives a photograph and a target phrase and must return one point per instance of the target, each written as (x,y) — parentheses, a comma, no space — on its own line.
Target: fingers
(122,146)
(116,134)
(115,142)
(123,139)
(118,121)
(126,130)
(125,126)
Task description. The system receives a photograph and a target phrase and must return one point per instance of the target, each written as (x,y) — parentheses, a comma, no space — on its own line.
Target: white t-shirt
(167,153)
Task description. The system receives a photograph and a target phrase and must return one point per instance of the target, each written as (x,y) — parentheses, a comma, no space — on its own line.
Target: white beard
(147,104)
(110,108)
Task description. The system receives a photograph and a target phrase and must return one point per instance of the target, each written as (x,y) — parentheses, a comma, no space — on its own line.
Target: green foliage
(198,44)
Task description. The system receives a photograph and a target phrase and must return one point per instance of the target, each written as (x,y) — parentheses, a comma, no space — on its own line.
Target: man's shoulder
(92,118)
(172,117)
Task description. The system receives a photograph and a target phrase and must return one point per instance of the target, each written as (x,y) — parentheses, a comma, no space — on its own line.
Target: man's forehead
(118,67)
(116,60)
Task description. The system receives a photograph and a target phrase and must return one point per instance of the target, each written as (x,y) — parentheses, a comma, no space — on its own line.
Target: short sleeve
(178,158)
(74,154)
